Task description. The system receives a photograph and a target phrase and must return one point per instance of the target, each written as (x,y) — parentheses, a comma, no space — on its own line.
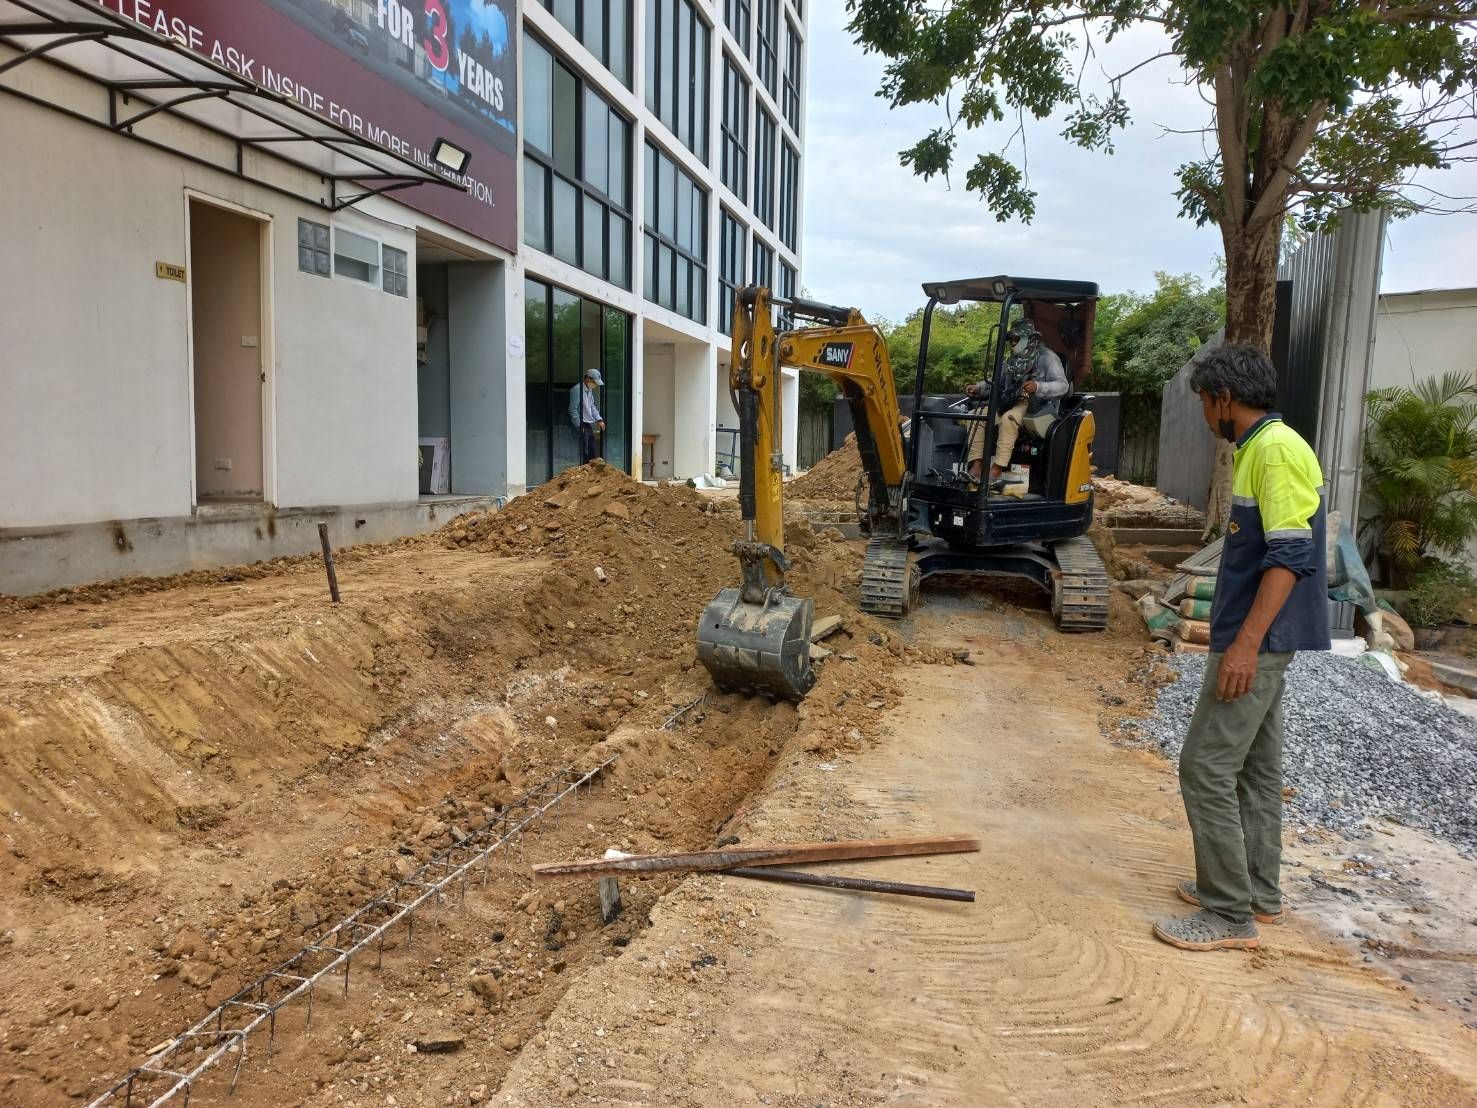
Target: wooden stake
(707,861)
(328,562)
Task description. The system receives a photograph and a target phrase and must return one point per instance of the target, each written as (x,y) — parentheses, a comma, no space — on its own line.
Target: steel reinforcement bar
(224,1029)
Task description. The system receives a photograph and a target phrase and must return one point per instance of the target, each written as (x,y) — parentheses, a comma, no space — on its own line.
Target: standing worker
(1271,600)
(584,415)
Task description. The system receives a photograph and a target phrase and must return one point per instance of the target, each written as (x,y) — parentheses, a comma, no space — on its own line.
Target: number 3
(436,49)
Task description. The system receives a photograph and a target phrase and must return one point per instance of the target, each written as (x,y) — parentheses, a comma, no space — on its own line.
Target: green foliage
(1420,469)
(1349,96)
(1141,341)
(1441,593)
(960,347)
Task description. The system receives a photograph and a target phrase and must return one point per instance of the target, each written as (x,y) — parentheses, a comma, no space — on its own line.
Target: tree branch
(1274,194)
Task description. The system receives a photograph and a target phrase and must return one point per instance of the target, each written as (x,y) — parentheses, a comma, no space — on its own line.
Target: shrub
(1441,593)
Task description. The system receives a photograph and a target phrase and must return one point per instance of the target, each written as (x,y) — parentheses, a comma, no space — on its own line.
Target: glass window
(566,221)
(736,15)
(312,248)
(766,43)
(356,257)
(618,236)
(676,240)
(735,158)
(603,26)
(538,95)
(538,393)
(677,70)
(731,259)
(787,291)
(535,205)
(789,194)
(394,276)
(791,100)
(615,397)
(572,189)
(763,263)
(566,121)
(764,138)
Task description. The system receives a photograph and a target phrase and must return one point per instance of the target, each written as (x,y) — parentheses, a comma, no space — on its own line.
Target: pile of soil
(1124,504)
(834,477)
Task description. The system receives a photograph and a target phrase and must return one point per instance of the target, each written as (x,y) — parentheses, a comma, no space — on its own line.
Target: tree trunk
(1251,308)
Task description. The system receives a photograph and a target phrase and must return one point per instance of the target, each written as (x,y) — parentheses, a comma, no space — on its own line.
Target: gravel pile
(1358,746)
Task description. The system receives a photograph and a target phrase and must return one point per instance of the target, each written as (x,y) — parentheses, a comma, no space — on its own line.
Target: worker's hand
(968,390)
(1238,671)
(1030,387)
(600,424)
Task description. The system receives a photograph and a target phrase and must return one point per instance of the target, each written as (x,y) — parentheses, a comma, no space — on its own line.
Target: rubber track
(886,585)
(1084,586)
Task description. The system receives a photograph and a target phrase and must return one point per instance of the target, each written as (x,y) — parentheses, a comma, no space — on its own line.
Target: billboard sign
(401,73)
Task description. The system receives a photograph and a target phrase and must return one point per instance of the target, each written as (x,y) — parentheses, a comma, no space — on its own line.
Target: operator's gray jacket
(1051,381)
(577,410)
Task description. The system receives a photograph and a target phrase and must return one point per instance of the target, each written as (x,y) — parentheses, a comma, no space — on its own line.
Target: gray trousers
(1231,781)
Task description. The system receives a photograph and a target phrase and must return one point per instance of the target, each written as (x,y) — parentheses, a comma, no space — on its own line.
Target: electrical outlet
(248,340)
(223,463)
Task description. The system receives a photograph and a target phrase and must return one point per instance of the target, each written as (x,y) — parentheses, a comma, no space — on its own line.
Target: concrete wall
(696,413)
(1424,334)
(658,404)
(479,403)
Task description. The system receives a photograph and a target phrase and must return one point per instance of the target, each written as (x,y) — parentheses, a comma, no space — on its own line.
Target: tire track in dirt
(1048,990)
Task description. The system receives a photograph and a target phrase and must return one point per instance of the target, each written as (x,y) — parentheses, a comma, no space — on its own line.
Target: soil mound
(834,477)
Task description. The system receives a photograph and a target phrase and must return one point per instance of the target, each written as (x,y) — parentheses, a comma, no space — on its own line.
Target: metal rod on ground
(328,562)
(856,884)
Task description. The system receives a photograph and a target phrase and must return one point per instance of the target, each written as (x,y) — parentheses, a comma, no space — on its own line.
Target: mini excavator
(923,514)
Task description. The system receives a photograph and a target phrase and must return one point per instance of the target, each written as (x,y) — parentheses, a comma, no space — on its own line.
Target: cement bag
(1160,620)
(1348,579)
(1192,630)
(1202,588)
(1195,609)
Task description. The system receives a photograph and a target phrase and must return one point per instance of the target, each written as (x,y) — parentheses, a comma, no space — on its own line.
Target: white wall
(1424,334)
(658,404)
(696,413)
(96,422)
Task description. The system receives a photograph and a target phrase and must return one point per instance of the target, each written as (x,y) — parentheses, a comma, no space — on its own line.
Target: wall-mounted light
(450,157)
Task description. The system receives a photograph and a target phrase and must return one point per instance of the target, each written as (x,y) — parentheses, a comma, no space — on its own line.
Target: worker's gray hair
(1243,371)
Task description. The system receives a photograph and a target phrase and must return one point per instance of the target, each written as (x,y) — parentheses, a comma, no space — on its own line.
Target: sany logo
(836,354)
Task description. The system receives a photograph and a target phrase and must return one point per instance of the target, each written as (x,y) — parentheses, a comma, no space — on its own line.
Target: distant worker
(1030,396)
(1271,600)
(584,415)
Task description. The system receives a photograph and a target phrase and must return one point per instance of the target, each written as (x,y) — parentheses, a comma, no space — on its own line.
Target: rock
(438,1042)
(509,1041)
(188,942)
(198,974)
(487,987)
(617,510)
(477,1094)
(432,828)
(599,574)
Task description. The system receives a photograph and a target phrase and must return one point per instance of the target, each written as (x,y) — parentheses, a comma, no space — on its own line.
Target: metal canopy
(995,289)
(149,78)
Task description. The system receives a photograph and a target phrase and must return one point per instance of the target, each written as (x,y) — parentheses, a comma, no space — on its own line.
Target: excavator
(923,513)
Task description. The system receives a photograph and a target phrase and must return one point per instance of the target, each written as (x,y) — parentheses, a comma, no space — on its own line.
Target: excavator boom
(756,637)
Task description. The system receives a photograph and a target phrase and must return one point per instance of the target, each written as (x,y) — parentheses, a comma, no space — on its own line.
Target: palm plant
(1420,469)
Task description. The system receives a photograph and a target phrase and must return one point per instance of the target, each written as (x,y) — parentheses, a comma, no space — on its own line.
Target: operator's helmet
(1022,329)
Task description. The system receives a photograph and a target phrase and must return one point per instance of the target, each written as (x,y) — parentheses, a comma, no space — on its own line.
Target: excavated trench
(196,781)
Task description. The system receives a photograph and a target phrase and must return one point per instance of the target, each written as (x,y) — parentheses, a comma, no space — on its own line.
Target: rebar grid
(333,948)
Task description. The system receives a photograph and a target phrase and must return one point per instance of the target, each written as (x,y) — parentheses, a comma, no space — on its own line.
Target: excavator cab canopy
(995,289)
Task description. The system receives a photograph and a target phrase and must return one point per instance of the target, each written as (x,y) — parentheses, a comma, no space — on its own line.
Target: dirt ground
(198,776)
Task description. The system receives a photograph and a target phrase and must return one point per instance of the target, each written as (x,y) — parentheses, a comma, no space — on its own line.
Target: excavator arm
(756,637)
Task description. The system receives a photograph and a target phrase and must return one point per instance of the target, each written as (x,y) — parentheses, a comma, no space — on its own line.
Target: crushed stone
(1358,746)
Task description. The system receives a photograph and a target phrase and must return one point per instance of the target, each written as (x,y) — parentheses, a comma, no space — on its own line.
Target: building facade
(261,292)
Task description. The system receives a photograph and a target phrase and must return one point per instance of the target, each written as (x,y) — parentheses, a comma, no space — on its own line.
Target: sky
(874,232)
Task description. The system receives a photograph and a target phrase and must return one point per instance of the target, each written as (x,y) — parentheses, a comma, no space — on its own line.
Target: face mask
(1021,344)
(1227,426)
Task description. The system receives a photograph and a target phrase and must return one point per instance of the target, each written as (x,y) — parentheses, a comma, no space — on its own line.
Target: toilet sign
(168,271)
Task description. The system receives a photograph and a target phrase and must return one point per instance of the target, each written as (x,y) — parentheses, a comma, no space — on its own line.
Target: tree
(1315,105)
(961,348)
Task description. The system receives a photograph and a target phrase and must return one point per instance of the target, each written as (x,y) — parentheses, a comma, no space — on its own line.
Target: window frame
(740,12)
(325,253)
(373,280)
(403,284)
(733,168)
(605,55)
(763,202)
(690,108)
(585,190)
(790,85)
(789,194)
(657,238)
(729,282)
(766,47)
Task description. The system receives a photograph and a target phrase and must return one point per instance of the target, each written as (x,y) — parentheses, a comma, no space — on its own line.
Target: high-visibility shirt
(1278,518)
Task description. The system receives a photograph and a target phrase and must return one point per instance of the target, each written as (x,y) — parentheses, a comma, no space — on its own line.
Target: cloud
(874,232)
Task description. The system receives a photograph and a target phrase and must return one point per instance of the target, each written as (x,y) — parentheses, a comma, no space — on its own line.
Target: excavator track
(889,582)
(1080,598)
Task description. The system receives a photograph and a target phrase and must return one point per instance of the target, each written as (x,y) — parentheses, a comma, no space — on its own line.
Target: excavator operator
(1035,381)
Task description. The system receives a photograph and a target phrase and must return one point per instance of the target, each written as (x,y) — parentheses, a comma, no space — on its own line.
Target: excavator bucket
(758,648)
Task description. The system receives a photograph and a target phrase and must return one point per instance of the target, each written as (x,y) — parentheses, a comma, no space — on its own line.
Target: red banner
(401,73)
